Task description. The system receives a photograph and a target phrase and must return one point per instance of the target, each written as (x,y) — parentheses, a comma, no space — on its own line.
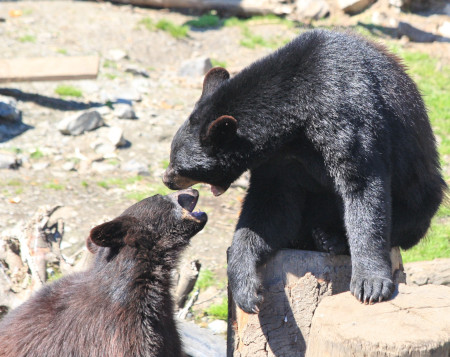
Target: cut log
(295,283)
(237,7)
(414,323)
(48,68)
(188,277)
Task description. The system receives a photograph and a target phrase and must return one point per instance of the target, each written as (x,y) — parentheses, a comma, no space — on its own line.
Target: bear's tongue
(216,190)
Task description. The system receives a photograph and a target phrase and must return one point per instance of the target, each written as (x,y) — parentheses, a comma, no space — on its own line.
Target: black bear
(121,306)
(341,154)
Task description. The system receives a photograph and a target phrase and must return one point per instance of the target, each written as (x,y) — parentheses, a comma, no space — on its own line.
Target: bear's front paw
(248,296)
(370,289)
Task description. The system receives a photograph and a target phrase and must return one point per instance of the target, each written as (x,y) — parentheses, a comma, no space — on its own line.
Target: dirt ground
(162,102)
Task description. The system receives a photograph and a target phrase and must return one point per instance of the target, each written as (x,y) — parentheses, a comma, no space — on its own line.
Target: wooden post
(295,283)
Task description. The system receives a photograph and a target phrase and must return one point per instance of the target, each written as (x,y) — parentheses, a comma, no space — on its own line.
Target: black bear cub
(341,154)
(121,306)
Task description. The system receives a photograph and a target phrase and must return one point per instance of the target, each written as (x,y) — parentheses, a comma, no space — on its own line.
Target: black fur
(121,306)
(340,149)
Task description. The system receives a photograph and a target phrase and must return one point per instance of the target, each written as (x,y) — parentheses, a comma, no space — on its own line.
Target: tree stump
(416,322)
(295,283)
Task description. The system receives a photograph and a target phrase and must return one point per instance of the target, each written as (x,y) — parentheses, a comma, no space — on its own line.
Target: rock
(200,342)
(218,327)
(436,272)
(400,4)
(116,55)
(137,71)
(78,124)
(354,6)
(9,161)
(102,167)
(413,33)
(121,95)
(39,166)
(195,67)
(124,111)
(379,18)
(136,167)
(311,9)
(104,149)
(414,323)
(115,136)
(69,166)
(8,110)
(444,29)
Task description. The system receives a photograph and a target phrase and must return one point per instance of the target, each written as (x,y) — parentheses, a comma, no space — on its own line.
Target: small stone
(78,124)
(444,29)
(8,109)
(69,166)
(195,67)
(39,166)
(137,71)
(124,111)
(102,167)
(115,136)
(218,327)
(104,149)
(354,6)
(9,161)
(116,55)
(311,9)
(414,34)
(136,167)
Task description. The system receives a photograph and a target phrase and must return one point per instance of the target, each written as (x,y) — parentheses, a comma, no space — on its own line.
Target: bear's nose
(168,178)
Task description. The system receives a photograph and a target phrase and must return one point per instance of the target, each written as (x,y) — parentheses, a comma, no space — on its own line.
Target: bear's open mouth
(188,201)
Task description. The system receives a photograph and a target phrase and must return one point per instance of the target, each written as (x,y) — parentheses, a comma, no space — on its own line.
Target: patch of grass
(205,21)
(84,184)
(68,91)
(14,183)
(175,31)
(110,76)
(219,311)
(109,64)
(157,189)
(27,38)
(165,164)
(54,186)
(36,154)
(217,63)
(259,20)
(205,279)
(62,51)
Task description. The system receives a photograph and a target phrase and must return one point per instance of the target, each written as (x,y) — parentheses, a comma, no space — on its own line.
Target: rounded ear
(222,129)
(113,233)
(213,79)
(91,245)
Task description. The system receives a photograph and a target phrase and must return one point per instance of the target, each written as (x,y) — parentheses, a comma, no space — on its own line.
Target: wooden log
(416,322)
(237,7)
(48,68)
(295,283)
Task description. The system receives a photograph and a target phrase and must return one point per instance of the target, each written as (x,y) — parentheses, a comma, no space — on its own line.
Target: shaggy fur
(121,306)
(341,154)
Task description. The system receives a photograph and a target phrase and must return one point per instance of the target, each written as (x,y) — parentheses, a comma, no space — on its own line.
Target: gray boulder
(195,67)
(77,124)
(310,9)
(9,111)
(435,271)
(354,6)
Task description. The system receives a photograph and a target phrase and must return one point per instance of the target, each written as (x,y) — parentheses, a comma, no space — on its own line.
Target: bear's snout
(176,182)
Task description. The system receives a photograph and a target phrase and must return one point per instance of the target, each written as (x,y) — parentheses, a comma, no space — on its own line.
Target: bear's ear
(114,233)
(222,130)
(213,79)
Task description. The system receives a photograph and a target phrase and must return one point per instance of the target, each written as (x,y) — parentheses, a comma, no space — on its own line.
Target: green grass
(155,189)
(206,279)
(27,38)
(219,311)
(205,21)
(217,63)
(174,30)
(68,91)
(62,51)
(84,184)
(54,186)
(110,76)
(109,64)
(36,154)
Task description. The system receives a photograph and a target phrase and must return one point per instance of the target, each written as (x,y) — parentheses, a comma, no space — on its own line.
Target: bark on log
(414,323)
(295,283)
(188,277)
(237,7)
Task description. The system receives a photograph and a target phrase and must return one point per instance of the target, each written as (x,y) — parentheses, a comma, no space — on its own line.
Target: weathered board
(48,68)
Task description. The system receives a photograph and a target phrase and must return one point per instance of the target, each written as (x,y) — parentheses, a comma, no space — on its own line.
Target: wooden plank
(48,68)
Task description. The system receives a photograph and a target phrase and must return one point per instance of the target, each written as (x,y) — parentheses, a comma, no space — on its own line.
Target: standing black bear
(340,149)
(121,307)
